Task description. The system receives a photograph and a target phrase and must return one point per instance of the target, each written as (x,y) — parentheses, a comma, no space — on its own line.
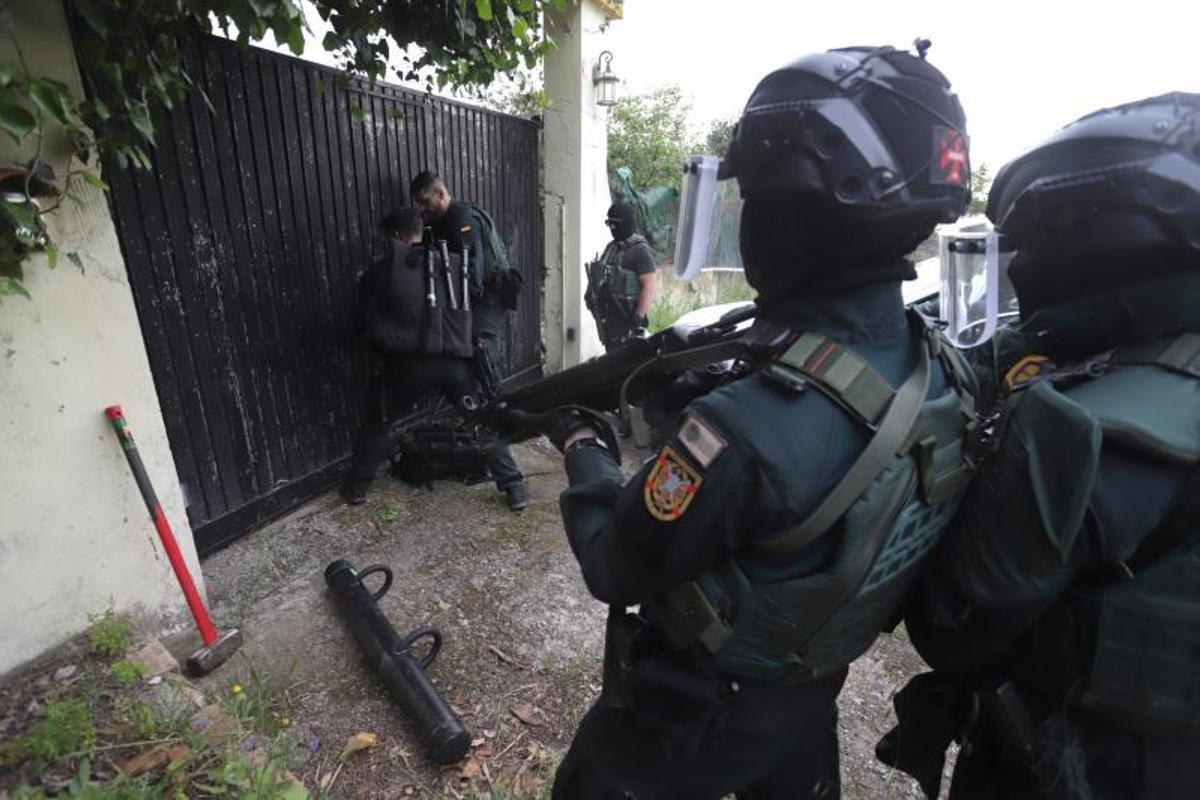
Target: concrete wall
(75,537)
(576,181)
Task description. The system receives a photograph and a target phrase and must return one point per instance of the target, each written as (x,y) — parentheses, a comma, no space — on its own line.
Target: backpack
(502,279)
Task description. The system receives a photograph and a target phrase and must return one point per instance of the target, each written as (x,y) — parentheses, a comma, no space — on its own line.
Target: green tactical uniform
(753,458)
(613,287)
(774,536)
(1071,573)
(1061,611)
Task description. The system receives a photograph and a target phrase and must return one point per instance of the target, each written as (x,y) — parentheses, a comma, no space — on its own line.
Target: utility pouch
(456,332)
(684,702)
(509,283)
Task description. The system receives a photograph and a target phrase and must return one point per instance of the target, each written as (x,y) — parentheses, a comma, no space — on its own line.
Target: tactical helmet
(1118,181)
(875,129)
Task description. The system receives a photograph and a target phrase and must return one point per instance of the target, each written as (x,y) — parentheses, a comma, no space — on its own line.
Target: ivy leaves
(460,43)
(28,105)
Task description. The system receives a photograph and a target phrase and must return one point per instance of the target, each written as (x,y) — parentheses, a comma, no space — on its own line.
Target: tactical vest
(885,514)
(608,279)
(1126,648)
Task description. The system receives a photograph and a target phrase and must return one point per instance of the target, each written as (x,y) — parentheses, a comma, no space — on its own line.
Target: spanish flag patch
(670,486)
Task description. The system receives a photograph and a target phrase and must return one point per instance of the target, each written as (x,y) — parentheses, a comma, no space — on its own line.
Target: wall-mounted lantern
(606,81)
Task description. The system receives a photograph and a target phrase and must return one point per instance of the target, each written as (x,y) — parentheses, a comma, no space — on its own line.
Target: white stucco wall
(576,182)
(75,537)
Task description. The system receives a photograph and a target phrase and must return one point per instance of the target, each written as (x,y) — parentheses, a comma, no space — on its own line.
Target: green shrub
(127,672)
(110,634)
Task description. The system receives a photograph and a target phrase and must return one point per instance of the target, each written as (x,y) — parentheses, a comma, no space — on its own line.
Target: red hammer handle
(207,632)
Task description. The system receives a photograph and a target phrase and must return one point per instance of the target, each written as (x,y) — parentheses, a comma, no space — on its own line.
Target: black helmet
(874,129)
(1118,181)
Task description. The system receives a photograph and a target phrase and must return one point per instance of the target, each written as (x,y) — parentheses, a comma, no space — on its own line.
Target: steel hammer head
(209,657)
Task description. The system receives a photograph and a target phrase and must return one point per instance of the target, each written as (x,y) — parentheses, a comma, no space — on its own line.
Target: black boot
(354,490)
(518,496)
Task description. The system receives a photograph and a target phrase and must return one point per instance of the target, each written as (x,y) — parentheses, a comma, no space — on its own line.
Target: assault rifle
(625,376)
(642,371)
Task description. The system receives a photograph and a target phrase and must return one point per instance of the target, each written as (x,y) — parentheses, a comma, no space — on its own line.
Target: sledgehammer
(217,649)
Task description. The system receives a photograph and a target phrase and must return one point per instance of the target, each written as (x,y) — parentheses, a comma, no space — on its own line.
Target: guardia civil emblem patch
(670,486)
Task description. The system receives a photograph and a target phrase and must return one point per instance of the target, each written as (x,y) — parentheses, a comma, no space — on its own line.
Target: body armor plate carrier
(885,515)
(1134,639)
(613,291)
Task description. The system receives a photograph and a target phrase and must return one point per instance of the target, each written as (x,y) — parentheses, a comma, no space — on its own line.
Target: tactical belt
(1178,354)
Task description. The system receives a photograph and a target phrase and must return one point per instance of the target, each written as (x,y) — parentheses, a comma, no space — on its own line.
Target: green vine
(130,58)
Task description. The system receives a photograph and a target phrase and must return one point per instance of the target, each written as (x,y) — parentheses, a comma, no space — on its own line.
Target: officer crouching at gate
(622,281)
(415,306)
(1062,609)
(772,539)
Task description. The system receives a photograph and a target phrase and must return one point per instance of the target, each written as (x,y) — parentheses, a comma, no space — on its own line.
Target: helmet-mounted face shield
(709,224)
(975,293)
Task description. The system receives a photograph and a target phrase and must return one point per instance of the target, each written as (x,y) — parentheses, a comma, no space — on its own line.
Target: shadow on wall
(677,297)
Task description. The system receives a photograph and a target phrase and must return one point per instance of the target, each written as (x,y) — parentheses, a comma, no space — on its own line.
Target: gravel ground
(522,638)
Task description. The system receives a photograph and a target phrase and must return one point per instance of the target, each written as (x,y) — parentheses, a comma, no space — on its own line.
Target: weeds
(390,513)
(677,297)
(107,741)
(127,672)
(110,634)
(256,700)
(69,727)
(140,718)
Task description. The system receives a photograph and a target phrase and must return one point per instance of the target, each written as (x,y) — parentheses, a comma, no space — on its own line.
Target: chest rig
(608,280)
(883,516)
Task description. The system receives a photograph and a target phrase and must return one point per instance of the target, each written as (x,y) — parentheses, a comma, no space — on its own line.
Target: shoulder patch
(1027,370)
(700,440)
(670,486)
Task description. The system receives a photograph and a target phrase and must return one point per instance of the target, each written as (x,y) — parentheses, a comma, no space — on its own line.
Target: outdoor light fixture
(603,76)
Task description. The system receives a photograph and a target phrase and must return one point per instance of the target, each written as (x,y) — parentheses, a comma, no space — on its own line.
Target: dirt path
(522,638)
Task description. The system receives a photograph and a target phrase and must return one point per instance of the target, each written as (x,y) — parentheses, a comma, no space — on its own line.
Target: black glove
(558,424)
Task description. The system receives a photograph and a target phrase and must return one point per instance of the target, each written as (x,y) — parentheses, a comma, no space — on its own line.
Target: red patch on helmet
(950,165)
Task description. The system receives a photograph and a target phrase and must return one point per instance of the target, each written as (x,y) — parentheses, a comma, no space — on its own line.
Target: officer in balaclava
(622,281)
(772,538)
(1061,611)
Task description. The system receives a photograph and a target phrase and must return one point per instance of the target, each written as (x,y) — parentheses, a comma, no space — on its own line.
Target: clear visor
(710,218)
(975,294)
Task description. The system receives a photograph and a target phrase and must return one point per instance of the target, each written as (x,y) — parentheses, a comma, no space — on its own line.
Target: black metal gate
(243,244)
